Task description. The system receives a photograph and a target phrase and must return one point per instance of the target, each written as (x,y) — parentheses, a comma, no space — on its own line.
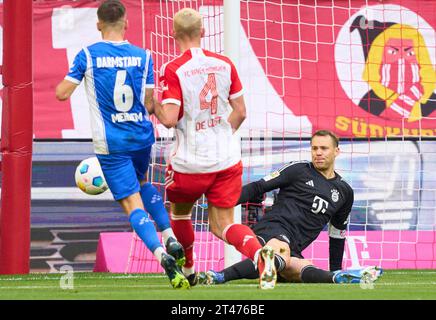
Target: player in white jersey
(119,83)
(203,99)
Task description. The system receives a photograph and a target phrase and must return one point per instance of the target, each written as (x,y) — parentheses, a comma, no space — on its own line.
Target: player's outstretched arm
(251,192)
(65,89)
(280,178)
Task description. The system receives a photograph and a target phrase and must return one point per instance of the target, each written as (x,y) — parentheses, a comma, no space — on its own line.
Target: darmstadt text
(118,62)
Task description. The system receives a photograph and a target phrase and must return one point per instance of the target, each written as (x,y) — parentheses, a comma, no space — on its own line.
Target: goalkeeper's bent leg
(311,274)
(244,269)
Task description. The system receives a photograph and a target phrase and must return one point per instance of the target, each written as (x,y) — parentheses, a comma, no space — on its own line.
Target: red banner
(365,70)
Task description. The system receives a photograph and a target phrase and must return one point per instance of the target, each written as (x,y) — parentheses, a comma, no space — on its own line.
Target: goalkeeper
(311,196)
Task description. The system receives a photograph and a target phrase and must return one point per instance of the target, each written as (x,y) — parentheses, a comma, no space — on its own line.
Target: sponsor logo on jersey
(271,176)
(310,183)
(336,233)
(124,116)
(335,195)
(319,205)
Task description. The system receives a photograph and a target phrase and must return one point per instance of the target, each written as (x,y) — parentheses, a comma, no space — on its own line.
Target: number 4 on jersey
(210,86)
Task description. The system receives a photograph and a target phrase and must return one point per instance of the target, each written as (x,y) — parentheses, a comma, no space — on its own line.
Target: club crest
(335,195)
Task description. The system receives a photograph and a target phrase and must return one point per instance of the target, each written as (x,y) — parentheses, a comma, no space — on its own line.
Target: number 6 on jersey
(123,93)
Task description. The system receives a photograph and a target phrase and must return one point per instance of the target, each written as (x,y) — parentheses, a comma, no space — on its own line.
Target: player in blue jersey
(119,83)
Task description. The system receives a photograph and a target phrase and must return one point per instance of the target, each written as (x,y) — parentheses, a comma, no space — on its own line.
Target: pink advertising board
(388,249)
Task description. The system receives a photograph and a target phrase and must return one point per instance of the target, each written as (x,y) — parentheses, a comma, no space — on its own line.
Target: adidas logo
(310,183)
(155,198)
(143,220)
(246,239)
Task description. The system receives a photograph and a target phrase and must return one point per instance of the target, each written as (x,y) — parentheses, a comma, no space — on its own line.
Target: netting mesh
(308,65)
(209,252)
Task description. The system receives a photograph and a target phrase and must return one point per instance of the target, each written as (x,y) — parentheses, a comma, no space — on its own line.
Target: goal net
(209,250)
(363,69)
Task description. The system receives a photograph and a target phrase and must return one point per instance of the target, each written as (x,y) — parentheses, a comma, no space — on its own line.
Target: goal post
(232,27)
(17,134)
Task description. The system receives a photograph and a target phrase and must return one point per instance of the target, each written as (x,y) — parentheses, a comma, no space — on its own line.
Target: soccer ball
(89,177)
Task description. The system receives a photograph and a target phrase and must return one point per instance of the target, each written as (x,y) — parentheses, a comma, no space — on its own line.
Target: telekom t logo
(319,205)
(352,249)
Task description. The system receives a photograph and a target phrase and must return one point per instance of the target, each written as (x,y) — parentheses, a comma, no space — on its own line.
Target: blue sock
(153,203)
(145,229)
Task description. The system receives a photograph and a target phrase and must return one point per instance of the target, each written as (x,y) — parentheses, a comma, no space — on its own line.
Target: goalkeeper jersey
(116,75)
(306,202)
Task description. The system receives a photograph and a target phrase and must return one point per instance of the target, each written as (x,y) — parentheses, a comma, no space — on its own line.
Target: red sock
(184,232)
(243,239)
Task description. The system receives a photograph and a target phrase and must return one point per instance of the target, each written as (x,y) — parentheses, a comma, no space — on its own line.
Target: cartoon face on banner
(385,62)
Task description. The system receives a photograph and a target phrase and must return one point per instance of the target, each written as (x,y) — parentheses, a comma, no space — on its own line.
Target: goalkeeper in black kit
(311,196)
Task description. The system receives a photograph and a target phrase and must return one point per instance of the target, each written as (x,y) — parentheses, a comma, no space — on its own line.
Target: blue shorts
(124,170)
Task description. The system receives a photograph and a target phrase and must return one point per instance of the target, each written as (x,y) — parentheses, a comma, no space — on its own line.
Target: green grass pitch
(393,285)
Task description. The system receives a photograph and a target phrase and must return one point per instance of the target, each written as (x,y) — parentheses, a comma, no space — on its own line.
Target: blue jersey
(116,76)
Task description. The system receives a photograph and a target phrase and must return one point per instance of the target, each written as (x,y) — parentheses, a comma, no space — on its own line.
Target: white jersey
(201,83)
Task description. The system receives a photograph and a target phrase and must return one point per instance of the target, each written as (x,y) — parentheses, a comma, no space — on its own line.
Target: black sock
(311,274)
(247,270)
(279,262)
(241,270)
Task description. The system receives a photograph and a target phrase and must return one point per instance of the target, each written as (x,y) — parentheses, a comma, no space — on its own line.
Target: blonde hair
(187,24)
